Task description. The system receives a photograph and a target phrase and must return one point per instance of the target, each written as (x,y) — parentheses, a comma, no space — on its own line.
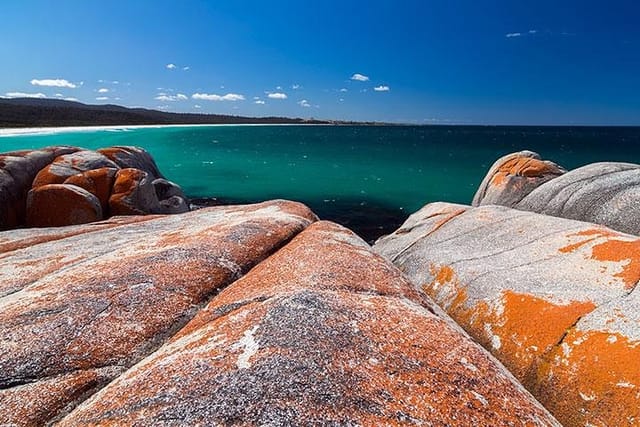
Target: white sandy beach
(4,132)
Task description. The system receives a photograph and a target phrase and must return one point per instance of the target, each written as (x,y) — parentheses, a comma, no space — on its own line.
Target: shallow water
(368,178)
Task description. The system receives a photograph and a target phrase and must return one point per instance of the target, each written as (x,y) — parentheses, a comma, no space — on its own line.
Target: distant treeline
(29,112)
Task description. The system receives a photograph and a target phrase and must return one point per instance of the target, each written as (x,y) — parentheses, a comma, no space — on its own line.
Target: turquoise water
(353,174)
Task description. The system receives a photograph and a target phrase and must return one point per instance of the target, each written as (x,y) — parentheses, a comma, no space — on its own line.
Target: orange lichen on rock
(517,328)
(593,378)
(55,205)
(324,332)
(35,404)
(97,182)
(522,166)
(611,246)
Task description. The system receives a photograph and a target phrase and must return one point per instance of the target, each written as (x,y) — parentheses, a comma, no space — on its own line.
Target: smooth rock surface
(133,193)
(55,205)
(79,308)
(324,332)
(514,176)
(602,193)
(97,182)
(518,282)
(71,164)
(133,157)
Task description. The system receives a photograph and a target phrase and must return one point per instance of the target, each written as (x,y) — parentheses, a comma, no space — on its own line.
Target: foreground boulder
(554,299)
(323,332)
(55,205)
(79,306)
(513,177)
(22,172)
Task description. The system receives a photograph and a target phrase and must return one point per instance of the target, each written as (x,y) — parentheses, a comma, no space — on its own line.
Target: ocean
(369,178)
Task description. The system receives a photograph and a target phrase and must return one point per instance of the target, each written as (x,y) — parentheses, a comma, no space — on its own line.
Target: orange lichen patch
(56,205)
(97,182)
(35,404)
(619,251)
(593,378)
(518,329)
(521,166)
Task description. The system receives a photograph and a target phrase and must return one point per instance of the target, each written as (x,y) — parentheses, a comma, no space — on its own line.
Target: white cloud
(103,90)
(277,95)
(511,35)
(304,103)
(72,99)
(382,88)
(59,95)
(197,106)
(54,83)
(115,82)
(360,77)
(162,107)
(214,97)
(256,97)
(170,98)
(341,99)
(278,87)
(24,95)
(186,68)
(295,87)
(171,66)
(344,90)
(102,98)
(533,31)
(259,102)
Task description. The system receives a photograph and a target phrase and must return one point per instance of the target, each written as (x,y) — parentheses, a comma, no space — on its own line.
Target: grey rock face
(602,193)
(514,176)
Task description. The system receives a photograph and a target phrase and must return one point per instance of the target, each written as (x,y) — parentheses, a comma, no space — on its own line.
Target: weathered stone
(517,282)
(34,404)
(55,205)
(132,157)
(602,193)
(133,194)
(173,205)
(166,189)
(97,182)
(17,171)
(514,176)
(596,367)
(107,299)
(323,332)
(71,164)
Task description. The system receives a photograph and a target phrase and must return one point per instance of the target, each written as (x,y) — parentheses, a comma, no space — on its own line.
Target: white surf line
(6,132)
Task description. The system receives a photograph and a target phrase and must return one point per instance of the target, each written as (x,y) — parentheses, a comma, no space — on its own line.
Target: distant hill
(30,112)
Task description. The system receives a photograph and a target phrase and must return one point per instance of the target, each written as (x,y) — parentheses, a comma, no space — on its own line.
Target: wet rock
(97,182)
(132,157)
(602,193)
(78,309)
(323,332)
(56,205)
(514,176)
(518,282)
(17,171)
(71,164)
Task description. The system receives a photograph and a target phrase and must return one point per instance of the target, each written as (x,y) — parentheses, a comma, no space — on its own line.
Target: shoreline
(11,132)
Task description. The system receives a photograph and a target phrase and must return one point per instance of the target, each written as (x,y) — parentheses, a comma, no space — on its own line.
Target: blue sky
(431,62)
